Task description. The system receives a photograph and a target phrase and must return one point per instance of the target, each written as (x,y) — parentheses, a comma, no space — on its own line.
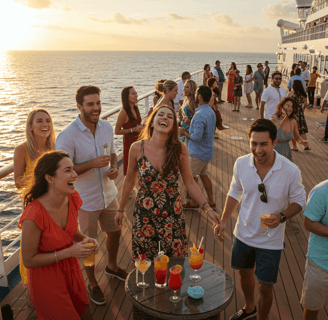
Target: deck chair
(320,124)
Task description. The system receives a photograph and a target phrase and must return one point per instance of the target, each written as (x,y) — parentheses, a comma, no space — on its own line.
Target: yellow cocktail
(143,266)
(195,262)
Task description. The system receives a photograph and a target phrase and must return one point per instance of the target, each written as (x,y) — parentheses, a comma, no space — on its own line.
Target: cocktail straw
(201,241)
(159,246)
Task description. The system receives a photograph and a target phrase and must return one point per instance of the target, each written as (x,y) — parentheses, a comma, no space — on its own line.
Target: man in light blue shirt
(296,77)
(201,143)
(315,286)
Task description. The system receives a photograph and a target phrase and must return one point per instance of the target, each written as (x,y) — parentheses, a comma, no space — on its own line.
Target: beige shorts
(315,286)
(198,167)
(89,220)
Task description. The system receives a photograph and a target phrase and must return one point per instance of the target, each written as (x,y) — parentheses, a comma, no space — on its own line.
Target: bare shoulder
(135,149)
(20,150)
(185,151)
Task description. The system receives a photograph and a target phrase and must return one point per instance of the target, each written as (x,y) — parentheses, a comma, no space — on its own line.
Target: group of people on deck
(68,190)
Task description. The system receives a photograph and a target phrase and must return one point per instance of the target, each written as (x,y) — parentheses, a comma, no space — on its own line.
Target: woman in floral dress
(158,214)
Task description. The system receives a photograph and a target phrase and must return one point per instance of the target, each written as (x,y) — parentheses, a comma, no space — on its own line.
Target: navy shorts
(245,257)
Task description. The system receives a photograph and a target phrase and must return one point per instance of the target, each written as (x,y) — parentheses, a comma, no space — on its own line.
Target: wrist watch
(283,218)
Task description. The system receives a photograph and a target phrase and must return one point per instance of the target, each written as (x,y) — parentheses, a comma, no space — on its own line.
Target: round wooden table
(153,303)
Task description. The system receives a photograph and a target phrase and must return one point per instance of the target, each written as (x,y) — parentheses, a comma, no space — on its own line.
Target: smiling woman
(15,25)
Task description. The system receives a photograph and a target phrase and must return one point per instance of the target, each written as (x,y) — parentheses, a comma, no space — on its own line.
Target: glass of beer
(89,261)
(266,232)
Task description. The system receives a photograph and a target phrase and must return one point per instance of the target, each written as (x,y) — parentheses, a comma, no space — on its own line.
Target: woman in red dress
(231,74)
(49,227)
(128,122)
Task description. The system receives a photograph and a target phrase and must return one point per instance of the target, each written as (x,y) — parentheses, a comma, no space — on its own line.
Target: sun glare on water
(15,23)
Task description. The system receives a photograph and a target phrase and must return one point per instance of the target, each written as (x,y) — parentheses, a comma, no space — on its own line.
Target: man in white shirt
(179,97)
(305,73)
(272,96)
(265,182)
(89,142)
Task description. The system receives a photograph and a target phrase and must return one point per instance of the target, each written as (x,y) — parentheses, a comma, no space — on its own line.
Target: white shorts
(315,286)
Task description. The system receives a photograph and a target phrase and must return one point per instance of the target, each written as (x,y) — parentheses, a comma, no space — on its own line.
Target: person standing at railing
(266,73)
(312,85)
(249,86)
(258,78)
(40,138)
(237,90)
(128,122)
(158,159)
(219,76)
(168,90)
(272,96)
(206,73)
(178,99)
(89,142)
(49,226)
(231,76)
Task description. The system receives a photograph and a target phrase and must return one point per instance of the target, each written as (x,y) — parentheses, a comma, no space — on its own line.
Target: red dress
(57,290)
(231,85)
(128,139)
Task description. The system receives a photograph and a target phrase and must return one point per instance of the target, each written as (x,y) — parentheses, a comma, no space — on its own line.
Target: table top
(218,290)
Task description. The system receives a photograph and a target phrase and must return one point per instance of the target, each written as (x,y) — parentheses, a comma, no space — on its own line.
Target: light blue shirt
(317,211)
(292,79)
(201,131)
(97,191)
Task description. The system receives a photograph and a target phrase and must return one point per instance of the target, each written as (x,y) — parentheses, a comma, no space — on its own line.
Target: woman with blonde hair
(40,138)
(168,91)
(158,216)
(189,104)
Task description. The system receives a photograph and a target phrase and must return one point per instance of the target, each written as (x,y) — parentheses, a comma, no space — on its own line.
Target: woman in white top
(248,86)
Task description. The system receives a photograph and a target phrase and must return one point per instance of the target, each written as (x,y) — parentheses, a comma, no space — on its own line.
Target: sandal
(307,148)
(295,149)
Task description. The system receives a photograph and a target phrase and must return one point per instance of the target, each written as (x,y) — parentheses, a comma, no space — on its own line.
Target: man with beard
(266,183)
(200,145)
(89,142)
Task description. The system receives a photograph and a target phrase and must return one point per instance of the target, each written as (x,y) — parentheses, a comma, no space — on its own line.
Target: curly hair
(280,105)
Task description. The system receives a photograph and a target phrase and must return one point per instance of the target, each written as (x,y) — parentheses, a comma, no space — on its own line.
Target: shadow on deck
(287,291)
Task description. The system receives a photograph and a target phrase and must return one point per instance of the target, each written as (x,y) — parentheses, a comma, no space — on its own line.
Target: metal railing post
(3,273)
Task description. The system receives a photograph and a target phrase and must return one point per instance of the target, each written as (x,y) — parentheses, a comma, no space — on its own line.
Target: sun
(15,23)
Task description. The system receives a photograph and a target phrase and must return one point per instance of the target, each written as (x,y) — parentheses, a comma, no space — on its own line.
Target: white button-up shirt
(95,188)
(283,184)
(179,96)
(306,75)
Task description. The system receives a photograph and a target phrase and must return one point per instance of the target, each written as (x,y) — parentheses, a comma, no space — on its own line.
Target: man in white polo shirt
(266,183)
(271,96)
(179,97)
(90,144)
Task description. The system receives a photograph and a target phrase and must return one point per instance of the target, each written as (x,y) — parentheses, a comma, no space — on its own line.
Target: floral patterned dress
(158,214)
(300,118)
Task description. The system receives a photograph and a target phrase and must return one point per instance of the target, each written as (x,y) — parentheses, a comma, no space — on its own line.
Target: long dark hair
(298,88)
(234,66)
(37,184)
(280,105)
(173,145)
(249,68)
(126,105)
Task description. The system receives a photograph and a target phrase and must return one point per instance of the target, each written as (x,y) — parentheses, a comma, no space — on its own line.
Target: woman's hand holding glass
(81,250)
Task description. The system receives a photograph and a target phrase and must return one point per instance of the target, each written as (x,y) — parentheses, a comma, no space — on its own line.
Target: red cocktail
(175,282)
(160,264)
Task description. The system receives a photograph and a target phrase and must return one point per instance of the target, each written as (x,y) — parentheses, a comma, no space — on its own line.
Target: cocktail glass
(195,262)
(266,232)
(175,283)
(142,266)
(160,264)
(89,261)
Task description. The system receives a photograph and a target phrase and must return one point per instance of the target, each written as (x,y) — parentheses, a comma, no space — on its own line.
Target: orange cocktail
(160,264)
(89,261)
(195,262)
(265,216)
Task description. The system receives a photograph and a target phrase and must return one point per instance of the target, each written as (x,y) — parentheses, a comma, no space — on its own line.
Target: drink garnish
(201,250)
(194,249)
(143,256)
(165,258)
(178,267)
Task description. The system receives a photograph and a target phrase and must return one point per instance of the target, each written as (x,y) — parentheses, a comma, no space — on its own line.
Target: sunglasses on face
(263,197)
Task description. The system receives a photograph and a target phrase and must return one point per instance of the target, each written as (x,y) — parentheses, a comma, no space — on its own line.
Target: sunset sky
(167,25)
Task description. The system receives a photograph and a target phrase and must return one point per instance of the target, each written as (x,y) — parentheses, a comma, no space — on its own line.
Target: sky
(144,25)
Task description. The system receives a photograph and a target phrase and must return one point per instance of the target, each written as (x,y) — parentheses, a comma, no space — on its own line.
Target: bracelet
(131,130)
(204,204)
(56,256)
(122,211)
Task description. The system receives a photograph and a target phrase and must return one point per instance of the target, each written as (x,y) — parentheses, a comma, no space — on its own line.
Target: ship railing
(9,257)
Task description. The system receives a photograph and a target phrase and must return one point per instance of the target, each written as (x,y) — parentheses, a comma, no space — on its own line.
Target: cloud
(118,18)
(225,20)
(43,4)
(175,16)
(68,29)
(282,9)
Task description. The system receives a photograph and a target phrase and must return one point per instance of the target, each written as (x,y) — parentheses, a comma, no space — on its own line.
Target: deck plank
(287,292)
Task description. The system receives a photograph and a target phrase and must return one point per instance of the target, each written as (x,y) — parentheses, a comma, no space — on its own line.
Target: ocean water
(49,79)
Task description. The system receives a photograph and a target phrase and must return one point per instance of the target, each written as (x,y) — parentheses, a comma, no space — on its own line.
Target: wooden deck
(287,291)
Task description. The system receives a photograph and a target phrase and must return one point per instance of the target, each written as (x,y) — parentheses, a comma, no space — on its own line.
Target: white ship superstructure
(306,40)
